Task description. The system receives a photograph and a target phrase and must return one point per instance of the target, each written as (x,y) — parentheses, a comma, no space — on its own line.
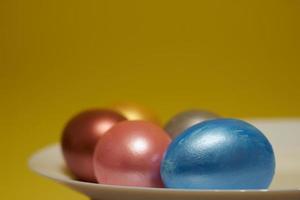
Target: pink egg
(130,154)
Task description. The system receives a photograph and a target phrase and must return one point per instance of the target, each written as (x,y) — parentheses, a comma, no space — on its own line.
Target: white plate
(284,135)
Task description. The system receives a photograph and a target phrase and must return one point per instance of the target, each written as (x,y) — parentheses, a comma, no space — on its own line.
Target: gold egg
(133,111)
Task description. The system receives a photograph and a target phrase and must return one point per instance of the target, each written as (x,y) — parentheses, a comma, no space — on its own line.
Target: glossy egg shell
(184,120)
(80,137)
(130,154)
(219,154)
(134,111)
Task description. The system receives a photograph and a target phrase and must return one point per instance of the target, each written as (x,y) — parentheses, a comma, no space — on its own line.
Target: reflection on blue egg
(219,154)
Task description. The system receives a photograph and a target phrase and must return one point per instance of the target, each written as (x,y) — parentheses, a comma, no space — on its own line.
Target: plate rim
(34,156)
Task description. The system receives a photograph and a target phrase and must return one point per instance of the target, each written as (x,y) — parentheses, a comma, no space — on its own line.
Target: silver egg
(186,119)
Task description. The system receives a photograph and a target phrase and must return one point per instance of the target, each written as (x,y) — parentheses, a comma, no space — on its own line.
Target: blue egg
(219,154)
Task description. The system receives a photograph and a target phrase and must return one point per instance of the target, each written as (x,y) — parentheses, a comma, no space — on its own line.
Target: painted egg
(134,111)
(130,154)
(219,154)
(186,119)
(80,137)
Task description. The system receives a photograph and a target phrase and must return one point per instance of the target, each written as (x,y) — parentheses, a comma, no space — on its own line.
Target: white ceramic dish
(284,135)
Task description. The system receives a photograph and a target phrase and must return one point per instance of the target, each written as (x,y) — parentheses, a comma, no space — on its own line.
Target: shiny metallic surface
(80,137)
(130,154)
(219,154)
(133,111)
(186,119)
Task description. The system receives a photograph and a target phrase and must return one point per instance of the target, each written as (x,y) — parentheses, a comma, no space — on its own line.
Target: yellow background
(238,58)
